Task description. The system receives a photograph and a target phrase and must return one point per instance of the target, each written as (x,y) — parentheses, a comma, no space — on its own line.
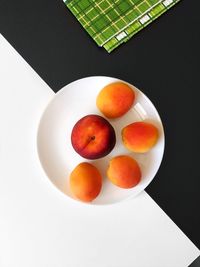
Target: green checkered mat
(112,22)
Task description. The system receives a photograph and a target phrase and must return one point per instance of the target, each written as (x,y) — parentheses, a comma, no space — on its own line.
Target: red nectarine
(93,137)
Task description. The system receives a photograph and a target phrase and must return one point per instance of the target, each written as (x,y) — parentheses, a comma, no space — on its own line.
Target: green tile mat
(112,22)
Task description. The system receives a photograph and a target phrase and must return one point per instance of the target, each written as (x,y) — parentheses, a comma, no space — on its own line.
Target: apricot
(124,171)
(85,182)
(115,99)
(139,137)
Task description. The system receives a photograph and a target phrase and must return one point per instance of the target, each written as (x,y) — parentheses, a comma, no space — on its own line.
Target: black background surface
(162,60)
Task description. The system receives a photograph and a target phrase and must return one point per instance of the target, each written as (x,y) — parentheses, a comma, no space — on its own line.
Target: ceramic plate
(57,155)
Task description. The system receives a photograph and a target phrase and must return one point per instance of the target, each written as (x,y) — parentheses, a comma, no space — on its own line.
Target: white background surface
(39,226)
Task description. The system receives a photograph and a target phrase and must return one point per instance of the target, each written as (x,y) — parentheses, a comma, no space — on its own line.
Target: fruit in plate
(93,137)
(115,99)
(85,182)
(140,137)
(124,171)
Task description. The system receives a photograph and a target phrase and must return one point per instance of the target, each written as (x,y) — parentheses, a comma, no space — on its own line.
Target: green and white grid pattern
(112,22)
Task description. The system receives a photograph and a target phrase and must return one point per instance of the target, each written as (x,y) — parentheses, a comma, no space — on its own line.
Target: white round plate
(57,155)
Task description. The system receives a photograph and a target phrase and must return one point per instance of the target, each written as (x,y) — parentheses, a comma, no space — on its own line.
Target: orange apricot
(139,137)
(124,171)
(115,99)
(85,182)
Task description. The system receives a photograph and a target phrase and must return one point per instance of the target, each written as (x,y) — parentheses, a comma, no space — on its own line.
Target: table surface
(39,226)
(162,60)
